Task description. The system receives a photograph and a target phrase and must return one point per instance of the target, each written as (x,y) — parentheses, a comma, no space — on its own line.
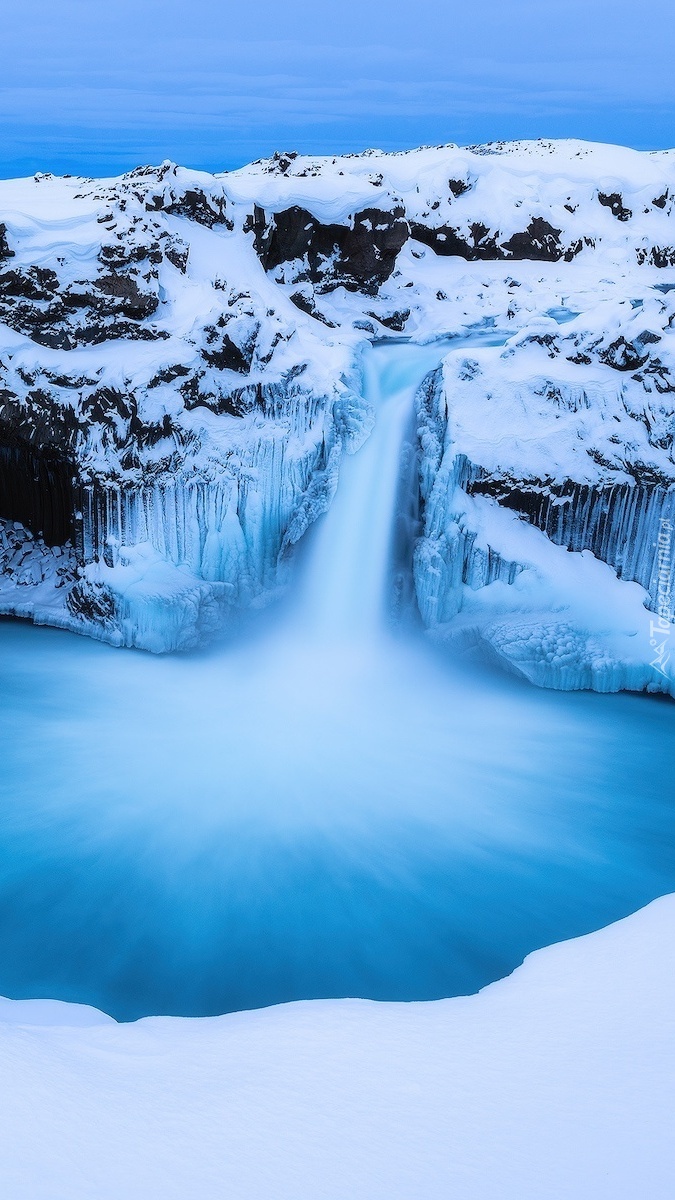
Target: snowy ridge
(180,375)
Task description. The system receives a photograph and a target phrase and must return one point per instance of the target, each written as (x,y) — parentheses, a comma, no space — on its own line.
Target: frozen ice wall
(547,541)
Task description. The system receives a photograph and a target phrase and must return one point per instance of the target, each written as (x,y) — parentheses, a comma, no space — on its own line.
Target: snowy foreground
(557,1082)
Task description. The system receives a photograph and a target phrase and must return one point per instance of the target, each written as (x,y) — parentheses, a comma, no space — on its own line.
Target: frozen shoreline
(556,1082)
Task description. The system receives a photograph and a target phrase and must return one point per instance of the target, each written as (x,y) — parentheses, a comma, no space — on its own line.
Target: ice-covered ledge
(555,1082)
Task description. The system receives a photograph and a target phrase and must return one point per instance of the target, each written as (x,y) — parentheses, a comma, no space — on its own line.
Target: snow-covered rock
(572,429)
(160,403)
(180,375)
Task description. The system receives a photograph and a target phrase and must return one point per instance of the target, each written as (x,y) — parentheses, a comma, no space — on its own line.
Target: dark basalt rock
(306,304)
(281,162)
(37,423)
(177,254)
(169,374)
(458,187)
(196,205)
(225,350)
(395,321)
(86,312)
(5,251)
(623,355)
(359,257)
(131,300)
(123,254)
(614,201)
(228,356)
(107,405)
(146,434)
(540,241)
(29,283)
(197,393)
(656,256)
(655,374)
(41,438)
(446,240)
(611,521)
(91,601)
(37,489)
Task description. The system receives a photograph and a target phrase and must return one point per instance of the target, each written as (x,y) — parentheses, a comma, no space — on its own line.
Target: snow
(208,427)
(560,619)
(557,1081)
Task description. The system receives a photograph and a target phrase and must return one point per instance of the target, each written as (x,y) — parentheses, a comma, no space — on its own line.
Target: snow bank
(555,1082)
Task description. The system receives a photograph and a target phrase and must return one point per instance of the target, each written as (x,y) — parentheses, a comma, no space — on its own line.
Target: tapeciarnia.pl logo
(660,630)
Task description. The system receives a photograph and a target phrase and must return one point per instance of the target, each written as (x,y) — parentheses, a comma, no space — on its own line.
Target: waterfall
(345,587)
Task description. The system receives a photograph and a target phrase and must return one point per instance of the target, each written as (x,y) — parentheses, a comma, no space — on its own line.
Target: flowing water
(323,808)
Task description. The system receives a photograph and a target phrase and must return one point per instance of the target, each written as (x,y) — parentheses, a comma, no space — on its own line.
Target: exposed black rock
(197,206)
(5,251)
(124,253)
(395,321)
(168,375)
(306,303)
(230,344)
(612,522)
(228,356)
(91,601)
(113,304)
(656,256)
(197,392)
(446,240)
(458,187)
(360,256)
(28,283)
(38,422)
(623,355)
(614,201)
(281,162)
(37,489)
(177,253)
(207,208)
(539,241)
(130,299)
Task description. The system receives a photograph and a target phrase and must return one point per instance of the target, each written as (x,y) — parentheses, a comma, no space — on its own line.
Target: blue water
(320,808)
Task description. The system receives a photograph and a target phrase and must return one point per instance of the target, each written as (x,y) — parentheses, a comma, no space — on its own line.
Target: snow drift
(558,1079)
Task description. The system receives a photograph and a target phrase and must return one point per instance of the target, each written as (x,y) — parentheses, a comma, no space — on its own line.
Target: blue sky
(99,86)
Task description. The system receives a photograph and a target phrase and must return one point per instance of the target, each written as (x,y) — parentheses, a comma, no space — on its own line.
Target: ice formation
(180,373)
(550,430)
